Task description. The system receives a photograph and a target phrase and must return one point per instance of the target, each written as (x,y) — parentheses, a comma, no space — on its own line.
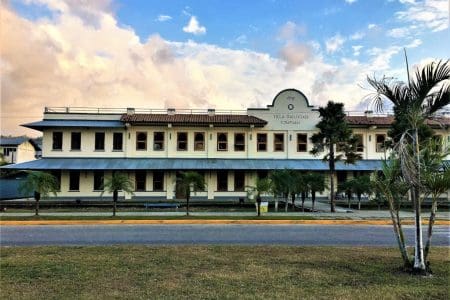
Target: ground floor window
(222,181)
(98,180)
(74,181)
(140,179)
(158,181)
(239,180)
(57,175)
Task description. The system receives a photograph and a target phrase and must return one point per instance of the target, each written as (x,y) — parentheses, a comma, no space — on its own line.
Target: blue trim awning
(189,164)
(74,123)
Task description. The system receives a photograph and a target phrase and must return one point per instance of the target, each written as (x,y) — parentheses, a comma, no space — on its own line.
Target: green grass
(216,272)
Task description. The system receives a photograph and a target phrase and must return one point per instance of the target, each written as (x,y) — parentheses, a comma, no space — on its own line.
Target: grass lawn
(226,272)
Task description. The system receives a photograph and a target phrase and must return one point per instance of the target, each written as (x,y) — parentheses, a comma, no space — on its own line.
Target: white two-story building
(82,146)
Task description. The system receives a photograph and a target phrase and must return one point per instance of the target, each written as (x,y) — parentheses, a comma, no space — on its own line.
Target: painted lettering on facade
(290,118)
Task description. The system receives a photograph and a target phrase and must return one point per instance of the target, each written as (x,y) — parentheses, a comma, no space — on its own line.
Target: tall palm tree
(190,181)
(315,183)
(334,132)
(117,182)
(415,101)
(283,182)
(41,184)
(360,185)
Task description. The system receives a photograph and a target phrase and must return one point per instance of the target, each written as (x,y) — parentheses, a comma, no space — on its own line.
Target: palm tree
(190,181)
(415,101)
(360,185)
(283,182)
(347,188)
(40,183)
(117,182)
(301,187)
(334,131)
(315,183)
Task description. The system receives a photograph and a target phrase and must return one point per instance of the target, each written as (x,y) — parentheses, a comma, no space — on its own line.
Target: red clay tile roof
(189,119)
(387,120)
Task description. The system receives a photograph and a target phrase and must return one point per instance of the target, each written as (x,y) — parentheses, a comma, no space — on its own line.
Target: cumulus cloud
(163,18)
(429,14)
(334,43)
(290,30)
(194,27)
(398,32)
(357,36)
(45,63)
(350,1)
(357,50)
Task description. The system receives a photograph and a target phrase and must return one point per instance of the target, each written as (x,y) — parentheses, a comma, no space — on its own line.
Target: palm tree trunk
(398,232)
(187,203)
(303,201)
(359,201)
(430,228)
(115,196)
(331,173)
(258,205)
(293,201)
(37,197)
(313,199)
(286,199)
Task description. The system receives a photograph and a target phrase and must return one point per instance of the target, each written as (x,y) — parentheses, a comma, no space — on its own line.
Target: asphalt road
(345,235)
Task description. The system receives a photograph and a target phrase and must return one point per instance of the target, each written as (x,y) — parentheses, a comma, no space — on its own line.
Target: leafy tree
(315,183)
(117,182)
(334,131)
(415,101)
(346,187)
(190,181)
(263,185)
(40,183)
(360,185)
(284,182)
(301,187)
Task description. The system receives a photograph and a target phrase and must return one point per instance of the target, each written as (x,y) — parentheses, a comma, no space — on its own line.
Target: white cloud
(295,55)
(371,26)
(334,43)
(398,32)
(350,1)
(429,14)
(357,36)
(242,39)
(194,27)
(357,50)
(414,44)
(163,18)
(290,31)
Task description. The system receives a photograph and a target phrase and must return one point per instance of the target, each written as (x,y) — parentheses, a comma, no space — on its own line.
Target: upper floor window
(99,141)
(199,141)
(158,181)
(182,141)
(158,141)
(8,151)
(261,140)
(57,140)
(239,142)
(359,143)
(302,142)
(75,141)
(98,180)
(222,141)
(380,140)
(140,179)
(117,141)
(278,142)
(74,181)
(141,140)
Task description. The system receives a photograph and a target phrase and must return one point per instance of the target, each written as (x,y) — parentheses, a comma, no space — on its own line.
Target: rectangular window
(278,142)
(302,142)
(117,141)
(199,141)
(57,175)
(261,140)
(380,142)
(437,139)
(99,141)
(222,141)
(140,179)
(222,181)
(359,143)
(158,181)
(239,180)
(98,180)
(57,140)
(158,141)
(239,142)
(182,141)
(74,181)
(75,141)
(141,140)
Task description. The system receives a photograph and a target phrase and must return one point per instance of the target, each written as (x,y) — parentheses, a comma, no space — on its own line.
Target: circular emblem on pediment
(290,106)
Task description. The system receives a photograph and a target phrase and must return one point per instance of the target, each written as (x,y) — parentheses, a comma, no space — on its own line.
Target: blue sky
(224,54)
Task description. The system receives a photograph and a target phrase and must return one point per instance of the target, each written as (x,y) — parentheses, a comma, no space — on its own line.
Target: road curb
(206,221)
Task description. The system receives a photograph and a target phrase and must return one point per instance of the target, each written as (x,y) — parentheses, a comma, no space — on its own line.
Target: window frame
(102,141)
(61,136)
(154,182)
(182,141)
(359,147)
(275,143)
(75,136)
(95,180)
(258,143)
(243,142)
(382,145)
(197,143)
(71,174)
(303,143)
(158,141)
(140,181)
(219,182)
(140,142)
(115,134)
(236,187)
(221,142)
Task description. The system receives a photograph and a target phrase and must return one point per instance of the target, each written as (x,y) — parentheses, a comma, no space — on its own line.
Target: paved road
(209,234)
